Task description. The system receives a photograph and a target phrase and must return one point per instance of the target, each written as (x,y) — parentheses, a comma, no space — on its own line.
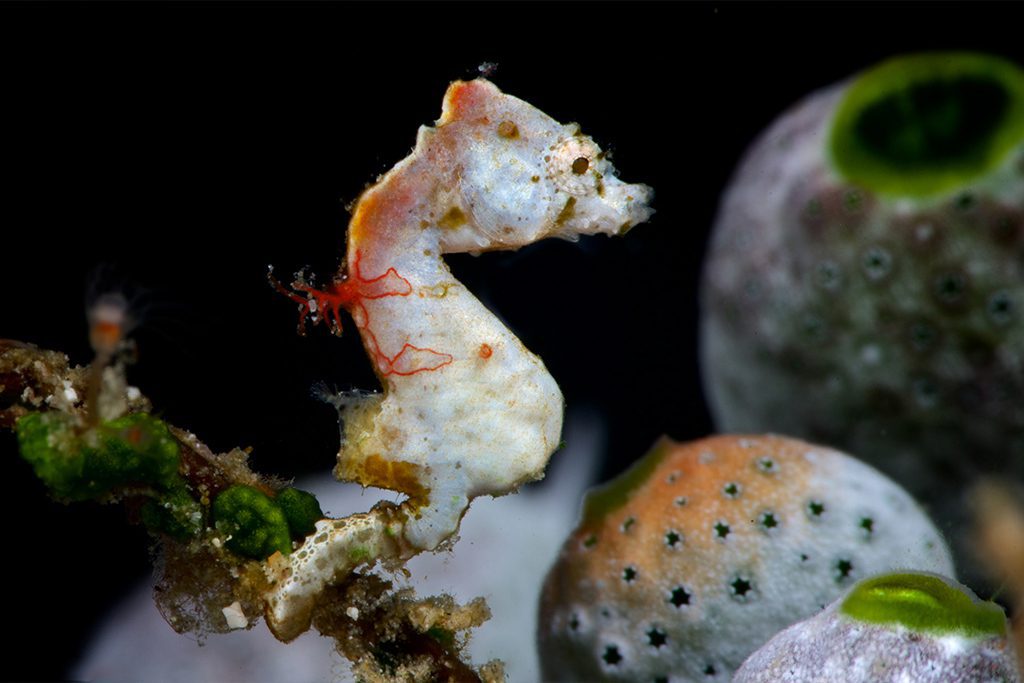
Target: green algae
(176,514)
(256,527)
(133,450)
(301,509)
(925,603)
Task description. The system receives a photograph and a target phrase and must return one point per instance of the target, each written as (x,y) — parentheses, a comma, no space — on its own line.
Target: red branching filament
(317,304)
(343,292)
(410,360)
(350,293)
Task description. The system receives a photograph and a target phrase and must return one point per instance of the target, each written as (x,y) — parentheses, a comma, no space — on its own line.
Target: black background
(173,151)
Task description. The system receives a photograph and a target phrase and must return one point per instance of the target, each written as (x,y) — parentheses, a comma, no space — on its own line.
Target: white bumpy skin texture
(466,409)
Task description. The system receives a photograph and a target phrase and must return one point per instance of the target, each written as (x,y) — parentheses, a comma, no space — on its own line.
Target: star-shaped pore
(679,597)
(611,655)
(656,637)
(740,587)
(844,568)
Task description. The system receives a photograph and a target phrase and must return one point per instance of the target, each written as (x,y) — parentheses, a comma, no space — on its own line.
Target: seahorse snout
(612,210)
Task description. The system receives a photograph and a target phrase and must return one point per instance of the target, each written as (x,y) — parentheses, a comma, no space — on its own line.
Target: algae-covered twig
(218,522)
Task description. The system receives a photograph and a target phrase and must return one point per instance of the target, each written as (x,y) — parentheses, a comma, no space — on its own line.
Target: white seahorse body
(467,410)
(468,406)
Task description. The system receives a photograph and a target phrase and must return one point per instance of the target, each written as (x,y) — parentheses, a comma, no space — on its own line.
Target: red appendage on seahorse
(349,293)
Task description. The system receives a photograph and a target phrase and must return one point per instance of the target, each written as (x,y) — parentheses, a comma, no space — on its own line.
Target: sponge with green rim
(895,627)
(865,282)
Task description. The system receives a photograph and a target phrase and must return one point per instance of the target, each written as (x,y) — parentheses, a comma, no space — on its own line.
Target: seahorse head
(517,175)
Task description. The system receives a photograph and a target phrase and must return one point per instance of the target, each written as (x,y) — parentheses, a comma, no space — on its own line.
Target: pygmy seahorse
(466,409)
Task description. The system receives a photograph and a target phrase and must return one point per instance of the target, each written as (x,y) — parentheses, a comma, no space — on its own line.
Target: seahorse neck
(394,221)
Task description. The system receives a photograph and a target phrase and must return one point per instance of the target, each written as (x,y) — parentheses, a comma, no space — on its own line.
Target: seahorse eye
(573,164)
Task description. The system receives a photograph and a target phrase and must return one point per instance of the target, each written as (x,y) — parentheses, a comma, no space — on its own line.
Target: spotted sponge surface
(904,627)
(691,560)
(865,283)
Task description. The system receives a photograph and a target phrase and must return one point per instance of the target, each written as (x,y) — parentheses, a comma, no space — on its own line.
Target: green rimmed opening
(925,603)
(928,123)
